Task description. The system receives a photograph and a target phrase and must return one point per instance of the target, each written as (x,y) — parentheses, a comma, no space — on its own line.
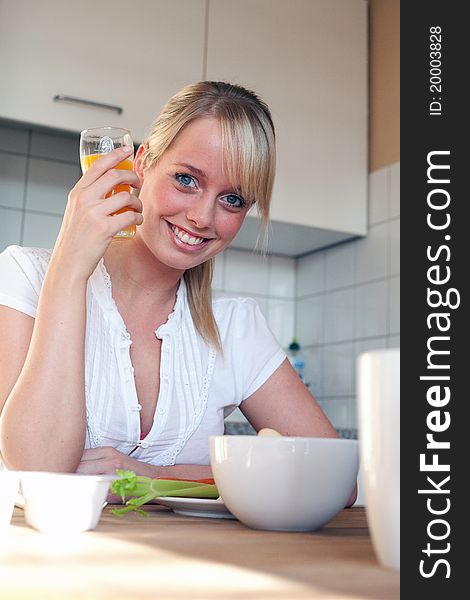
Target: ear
(139,162)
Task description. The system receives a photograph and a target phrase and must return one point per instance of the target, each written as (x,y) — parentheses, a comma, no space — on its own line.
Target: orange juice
(126,165)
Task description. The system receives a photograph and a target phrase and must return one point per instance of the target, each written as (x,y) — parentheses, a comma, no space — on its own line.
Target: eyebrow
(192,168)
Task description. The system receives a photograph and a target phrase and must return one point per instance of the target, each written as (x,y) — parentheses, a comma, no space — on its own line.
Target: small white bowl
(284,483)
(9,482)
(63,503)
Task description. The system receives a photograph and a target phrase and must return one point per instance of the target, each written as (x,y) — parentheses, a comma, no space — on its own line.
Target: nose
(200,212)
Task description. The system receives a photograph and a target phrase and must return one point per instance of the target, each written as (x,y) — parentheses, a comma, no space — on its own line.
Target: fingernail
(127,149)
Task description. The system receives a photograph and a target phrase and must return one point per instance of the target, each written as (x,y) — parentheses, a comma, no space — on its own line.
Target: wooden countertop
(174,557)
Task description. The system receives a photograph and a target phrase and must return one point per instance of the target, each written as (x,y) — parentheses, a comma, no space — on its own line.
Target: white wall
(348,301)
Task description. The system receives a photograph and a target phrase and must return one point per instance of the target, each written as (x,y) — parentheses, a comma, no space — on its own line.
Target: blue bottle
(296,358)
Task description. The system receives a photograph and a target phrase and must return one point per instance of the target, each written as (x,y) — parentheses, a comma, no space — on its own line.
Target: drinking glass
(101,140)
(379,440)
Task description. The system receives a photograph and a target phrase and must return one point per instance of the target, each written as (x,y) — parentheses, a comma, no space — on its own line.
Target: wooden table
(174,557)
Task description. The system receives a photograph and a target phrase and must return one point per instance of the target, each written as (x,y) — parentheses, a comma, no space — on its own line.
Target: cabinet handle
(64,98)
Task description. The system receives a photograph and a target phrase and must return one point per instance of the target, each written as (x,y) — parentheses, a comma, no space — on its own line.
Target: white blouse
(198,386)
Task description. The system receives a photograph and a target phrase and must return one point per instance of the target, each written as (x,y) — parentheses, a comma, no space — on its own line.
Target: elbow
(22,451)
(22,462)
(18,457)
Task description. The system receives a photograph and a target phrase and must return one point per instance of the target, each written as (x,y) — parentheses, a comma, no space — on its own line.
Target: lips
(185,237)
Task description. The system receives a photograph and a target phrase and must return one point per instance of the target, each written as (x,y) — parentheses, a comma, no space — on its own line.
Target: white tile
(40,230)
(236,417)
(309,321)
(56,146)
(394,190)
(49,184)
(281,319)
(378,196)
(372,254)
(13,139)
(12,180)
(10,227)
(352,414)
(394,305)
(311,274)
(246,272)
(370,310)
(337,371)
(219,272)
(339,316)
(337,411)
(393,341)
(394,246)
(339,266)
(313,369)
(282,277)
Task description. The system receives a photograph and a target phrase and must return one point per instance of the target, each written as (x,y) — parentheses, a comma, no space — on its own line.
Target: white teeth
(184,237)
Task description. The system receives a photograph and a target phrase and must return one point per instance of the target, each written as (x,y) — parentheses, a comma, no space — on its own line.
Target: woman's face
(191,212)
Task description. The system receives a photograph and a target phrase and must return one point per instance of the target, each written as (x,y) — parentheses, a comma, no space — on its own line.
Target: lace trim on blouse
(168,457)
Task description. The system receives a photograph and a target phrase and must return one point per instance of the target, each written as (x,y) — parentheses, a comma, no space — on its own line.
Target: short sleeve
(20,280)
(258,352)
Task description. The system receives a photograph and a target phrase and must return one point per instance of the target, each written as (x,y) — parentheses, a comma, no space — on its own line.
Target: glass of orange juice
(101,140)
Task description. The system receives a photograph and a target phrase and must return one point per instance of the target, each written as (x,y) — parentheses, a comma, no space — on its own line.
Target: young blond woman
(113,353)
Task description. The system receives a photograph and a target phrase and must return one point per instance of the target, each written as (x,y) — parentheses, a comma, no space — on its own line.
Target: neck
(136,273)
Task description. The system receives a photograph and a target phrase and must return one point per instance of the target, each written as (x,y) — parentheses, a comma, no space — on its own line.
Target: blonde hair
(249,159)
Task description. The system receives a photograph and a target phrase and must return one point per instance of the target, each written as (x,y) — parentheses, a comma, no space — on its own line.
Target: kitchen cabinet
(308,60)
(132,55)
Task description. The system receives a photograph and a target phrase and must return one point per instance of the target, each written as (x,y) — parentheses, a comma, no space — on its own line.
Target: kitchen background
(339,300)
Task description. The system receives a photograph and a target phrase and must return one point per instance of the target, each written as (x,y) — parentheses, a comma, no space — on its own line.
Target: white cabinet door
(308,60)
(130,54)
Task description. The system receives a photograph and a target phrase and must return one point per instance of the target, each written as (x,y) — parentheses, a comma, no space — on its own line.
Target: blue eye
(185,180)
(234,201)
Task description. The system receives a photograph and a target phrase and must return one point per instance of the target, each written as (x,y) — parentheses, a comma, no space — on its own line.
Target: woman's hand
(106,460)
(89,222)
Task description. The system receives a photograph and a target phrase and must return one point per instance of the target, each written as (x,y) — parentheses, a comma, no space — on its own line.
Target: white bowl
(9,481)
(284,483)
(63,503)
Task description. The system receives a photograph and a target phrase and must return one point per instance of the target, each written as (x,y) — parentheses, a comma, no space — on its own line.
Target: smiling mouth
(185,237)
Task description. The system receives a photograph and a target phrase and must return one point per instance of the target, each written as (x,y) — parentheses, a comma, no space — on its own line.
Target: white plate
(197,507)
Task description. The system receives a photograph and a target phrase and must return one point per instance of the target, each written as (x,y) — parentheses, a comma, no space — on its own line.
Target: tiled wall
(339,301)
(37,169)
(348,301)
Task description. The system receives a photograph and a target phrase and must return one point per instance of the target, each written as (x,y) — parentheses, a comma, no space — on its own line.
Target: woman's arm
(42,425)
(42,381)
(284,403)
(106,460)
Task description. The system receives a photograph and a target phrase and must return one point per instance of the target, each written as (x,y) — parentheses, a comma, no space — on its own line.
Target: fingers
(124,220)
(104,163)
(99,461)
(95,467)
(108,172)
(112,205)
(112,179)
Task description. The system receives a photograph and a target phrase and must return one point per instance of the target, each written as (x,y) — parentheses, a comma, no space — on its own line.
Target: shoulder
(225,307)
(28,260)
(22,272)
(238,317)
